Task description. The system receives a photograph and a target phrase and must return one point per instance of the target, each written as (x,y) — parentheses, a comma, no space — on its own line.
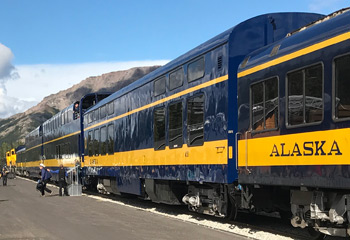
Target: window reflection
(305,96)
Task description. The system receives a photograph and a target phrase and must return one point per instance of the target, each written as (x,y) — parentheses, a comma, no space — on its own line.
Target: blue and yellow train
(253,119)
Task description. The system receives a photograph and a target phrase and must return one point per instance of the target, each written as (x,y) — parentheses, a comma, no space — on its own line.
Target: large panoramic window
(264,107)
(195,120)
(305,96)
(175,125)
(195,70)
(159,128)
(176,79)
(342,85)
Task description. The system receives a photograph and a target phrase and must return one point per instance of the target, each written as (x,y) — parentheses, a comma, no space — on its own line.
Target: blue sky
(42,37)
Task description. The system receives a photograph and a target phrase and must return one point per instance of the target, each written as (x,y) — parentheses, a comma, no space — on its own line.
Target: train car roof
(313,33)
(34,132)
(195,52)
(20,148)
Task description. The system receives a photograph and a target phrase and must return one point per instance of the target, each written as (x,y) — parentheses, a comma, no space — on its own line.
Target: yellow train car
(11,158)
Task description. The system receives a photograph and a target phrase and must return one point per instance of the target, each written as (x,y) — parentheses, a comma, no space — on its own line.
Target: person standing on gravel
(62,174)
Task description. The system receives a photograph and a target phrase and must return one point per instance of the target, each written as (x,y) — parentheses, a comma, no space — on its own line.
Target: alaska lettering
(316,148)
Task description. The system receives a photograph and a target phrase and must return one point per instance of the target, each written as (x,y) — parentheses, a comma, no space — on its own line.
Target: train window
(97,142)
(90,117)
(176,79)
(271,103)
(159,86)
(66,117)
(305,96)
(68,149)
(62,118)
(90,144)
(175,125)
(257,111)
(103,112)
(110,140)
(110,108)
(103,140)
(341,102)
(58,152)
(96,114)
(63,150)
(195,70)
(159,128)
(264,108)
(195,120)
(70,115)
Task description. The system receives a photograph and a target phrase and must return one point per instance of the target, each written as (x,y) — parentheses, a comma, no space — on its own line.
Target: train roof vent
(274,50)
(219,63)
(332,15)
(244,63)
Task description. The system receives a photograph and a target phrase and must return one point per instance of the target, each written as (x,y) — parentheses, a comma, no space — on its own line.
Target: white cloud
(34,82)
(9,105)
(327,6)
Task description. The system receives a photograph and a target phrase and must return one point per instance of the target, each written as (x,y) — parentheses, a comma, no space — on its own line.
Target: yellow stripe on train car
(331,147)
(214,152)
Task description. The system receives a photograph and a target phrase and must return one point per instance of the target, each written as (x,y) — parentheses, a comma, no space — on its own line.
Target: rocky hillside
(14,128)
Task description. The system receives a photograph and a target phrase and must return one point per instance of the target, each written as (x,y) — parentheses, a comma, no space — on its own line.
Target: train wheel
(315,235)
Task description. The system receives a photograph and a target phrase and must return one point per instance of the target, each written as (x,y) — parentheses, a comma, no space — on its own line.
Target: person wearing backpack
(45,178)
(62,174)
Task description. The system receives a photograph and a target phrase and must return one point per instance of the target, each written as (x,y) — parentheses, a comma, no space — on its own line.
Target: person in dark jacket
(4,173)
(62,174)
(45,178)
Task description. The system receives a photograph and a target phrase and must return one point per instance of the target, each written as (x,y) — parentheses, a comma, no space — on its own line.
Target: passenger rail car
(169,136)
(57,140)
(293,124)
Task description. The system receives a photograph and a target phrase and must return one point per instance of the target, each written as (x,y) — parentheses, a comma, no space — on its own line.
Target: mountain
(16,127)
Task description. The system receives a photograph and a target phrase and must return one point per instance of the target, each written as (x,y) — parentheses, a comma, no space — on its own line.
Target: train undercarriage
(326,211)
